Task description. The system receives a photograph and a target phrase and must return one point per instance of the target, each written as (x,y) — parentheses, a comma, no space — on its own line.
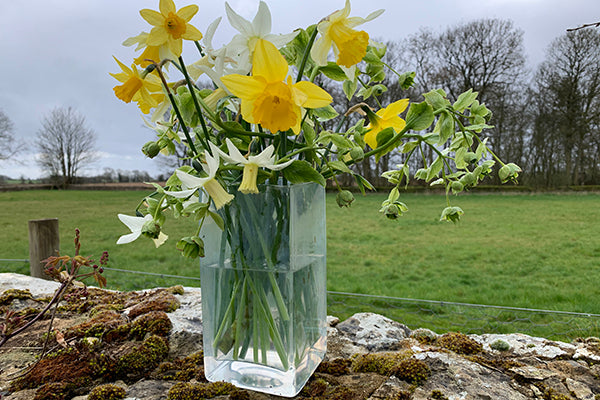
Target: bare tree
(9,146)
(65,144)
(566,93)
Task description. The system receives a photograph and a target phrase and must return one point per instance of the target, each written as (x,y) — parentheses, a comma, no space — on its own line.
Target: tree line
(546,120)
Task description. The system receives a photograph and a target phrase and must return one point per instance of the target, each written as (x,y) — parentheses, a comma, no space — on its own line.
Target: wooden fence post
(44,242)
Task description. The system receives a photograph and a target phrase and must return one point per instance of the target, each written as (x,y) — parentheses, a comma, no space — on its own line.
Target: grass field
(522,250)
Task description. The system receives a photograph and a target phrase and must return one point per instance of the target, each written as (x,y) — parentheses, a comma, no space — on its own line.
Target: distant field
(536,251)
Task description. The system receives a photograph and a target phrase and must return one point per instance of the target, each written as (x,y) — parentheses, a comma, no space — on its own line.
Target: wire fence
(439,316)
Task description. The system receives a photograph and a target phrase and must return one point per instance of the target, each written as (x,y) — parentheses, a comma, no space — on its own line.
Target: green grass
(535,251)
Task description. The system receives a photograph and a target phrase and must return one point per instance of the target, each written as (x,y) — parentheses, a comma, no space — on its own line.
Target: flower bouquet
(258,138)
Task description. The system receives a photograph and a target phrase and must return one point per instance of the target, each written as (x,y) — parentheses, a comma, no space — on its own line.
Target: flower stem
(306,55)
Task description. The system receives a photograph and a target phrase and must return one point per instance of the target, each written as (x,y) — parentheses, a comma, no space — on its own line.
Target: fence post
(44,242)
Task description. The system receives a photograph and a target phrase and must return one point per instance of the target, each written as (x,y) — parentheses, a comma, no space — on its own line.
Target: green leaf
(363,183)
(301,171)
(437,99)
(435,168)
(365,92)
(459,158)
(372,58)
(349,88)
(409,146)
(478,127)
(406,80)
(385,136)
(309,133)
(446,127)
(339,166)
(217,218)
(464,100)
(333,71)
(419,116)
(325,113)
(338,140)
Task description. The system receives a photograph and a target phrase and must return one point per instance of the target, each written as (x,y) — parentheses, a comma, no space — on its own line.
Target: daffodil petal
(181,194)
(371,137)
(279,167)
(160,240)
(268,62)
(234,153)
(134,223)
(315,96)
(186,13)
(247,108)
(191,181)
(152,17)
(265,158)
(262,21)
(320,50)
(191,33)
(157,36)
(128,238)
(240,24)
(242,86)
(124,67)
(281,40)
(166,7)
(395,108)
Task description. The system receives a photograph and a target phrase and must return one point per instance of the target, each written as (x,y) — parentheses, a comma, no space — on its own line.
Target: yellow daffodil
(337,31)
(150,54)
(265,159)
(243,44)
(171,26)
(266,98)
(144,88)
(190,184)
(385,118)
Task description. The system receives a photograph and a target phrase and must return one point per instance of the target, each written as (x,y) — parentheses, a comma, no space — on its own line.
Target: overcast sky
(59,53)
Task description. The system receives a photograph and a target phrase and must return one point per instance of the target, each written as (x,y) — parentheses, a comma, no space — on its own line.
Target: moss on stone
(380,363)
(143,358)
(459,343)
(162,301)
(54,391)
(412,370)
(107,392)
(437,395)
(192,391)
(9,295)
(337,367)
(151,323)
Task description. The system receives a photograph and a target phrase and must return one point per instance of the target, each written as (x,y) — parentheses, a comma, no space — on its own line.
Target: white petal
(161,239)
(215,150)
(210,33)
(134,223)
(130,237)
(181,194)
(278,167)
(190,181)
(264,158)
(262,21)
(242,25)
(212,166)
(234,153)
(281,40)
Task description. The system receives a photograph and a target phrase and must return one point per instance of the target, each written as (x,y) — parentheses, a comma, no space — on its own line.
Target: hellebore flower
(269,101)
(385,118)
(251,164)
(243,44)
(190,184)
(141,225)
(171,26)
(144,88)
(349,45)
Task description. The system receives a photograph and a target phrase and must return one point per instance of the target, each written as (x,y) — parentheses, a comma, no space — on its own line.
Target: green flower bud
(151,229)
(357,153)
(451,214)
(391,211)
(344,198)
(470,157)
(191,247)
(151,149)
(457,187)
(468,179)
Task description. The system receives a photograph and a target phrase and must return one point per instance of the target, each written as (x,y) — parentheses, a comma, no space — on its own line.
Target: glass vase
(263,285)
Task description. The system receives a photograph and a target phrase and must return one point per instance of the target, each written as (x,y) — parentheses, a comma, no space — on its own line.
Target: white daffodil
(137,225)
(190,183)
(242,45)
(337,31)
(251,164)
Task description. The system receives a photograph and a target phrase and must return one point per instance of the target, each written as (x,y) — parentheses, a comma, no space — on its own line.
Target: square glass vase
(263,280)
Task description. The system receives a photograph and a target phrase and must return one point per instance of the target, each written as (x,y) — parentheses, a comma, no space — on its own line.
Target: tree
(9,146)
(566,95)
(65,144)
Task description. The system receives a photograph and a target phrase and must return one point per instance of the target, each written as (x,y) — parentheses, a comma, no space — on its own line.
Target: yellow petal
(371,137)
(396,122)
(244,87)
(187,12)
(191,33)
(166,7)
(247,108)
(394,109)
(152,17)
(175,45)
(315,96)
(268,62)
(157,37)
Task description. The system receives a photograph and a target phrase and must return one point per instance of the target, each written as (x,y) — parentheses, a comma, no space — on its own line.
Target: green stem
(192,89)
(306,55)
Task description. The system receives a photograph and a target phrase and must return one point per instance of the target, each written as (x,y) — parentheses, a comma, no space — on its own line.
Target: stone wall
(106,337)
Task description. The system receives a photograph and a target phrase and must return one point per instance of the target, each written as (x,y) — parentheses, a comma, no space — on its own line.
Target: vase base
(262,378)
